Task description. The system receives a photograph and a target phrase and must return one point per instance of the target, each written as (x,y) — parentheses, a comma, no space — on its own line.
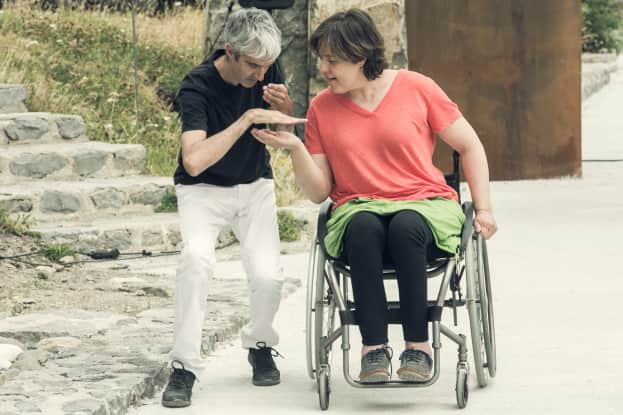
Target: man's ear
(229,50)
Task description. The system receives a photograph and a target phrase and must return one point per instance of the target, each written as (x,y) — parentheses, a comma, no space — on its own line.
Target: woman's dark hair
(352,36)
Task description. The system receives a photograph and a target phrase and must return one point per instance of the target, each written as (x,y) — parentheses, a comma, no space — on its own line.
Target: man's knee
(266,277)
(197,256)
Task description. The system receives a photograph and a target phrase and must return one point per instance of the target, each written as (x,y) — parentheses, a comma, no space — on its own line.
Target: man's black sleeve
(192,107)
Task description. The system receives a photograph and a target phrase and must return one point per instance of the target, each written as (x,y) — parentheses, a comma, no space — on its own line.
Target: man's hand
(278,98)
(264,116)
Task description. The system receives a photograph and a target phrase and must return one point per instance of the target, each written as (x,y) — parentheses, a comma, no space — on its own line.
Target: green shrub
(18,225)
(603,20)
(168,202)
(54,252)
(289,226)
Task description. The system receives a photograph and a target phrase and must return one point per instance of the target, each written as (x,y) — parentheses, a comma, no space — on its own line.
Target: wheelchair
(466,282)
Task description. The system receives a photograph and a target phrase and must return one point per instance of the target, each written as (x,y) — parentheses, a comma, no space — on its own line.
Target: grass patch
(17,225)
(290,227)
(77,63)
(54,252)
(168,202)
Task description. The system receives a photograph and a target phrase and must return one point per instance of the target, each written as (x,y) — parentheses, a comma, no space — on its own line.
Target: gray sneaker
(415,366)
(375,366)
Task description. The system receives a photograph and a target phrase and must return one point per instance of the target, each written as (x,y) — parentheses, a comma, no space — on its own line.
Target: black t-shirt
(206,102)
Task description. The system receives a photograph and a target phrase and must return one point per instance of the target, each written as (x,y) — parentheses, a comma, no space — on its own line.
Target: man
(224,177)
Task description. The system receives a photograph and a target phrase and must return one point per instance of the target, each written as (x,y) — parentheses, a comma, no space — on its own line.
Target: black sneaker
(265,372)
(376,366)
(180,387)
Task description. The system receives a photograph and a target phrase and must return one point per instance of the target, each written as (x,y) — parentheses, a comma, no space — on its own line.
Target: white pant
(204,209)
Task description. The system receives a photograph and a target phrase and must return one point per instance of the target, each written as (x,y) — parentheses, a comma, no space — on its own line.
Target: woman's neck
(371,92)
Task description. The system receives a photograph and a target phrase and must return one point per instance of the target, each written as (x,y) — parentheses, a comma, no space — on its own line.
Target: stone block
(108,198)
(89,162)
(129,159)
(12,98)
(150,194)
(70,126)
(59,202)
(27,128)
(36,165)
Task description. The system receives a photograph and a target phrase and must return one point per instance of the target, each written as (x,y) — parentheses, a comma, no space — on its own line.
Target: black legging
(405,240)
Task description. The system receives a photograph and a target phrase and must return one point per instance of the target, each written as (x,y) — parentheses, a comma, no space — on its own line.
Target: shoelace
(410,355)
(273,352)
(413,355)
(179,376)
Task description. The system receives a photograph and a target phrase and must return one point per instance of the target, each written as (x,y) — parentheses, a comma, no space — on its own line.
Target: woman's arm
(312,172)
(461,136)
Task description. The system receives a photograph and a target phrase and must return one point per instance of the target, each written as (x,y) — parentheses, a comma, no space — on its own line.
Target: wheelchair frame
(328,292)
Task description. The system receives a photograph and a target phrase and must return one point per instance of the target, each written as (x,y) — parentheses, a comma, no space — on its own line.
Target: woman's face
(341,75)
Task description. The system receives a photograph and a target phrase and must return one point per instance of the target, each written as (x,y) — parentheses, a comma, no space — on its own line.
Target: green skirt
(444,217)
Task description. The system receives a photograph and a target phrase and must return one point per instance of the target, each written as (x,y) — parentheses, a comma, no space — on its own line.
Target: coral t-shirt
(386,153)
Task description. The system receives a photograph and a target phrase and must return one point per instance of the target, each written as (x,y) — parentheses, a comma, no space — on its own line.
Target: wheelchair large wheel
(320,313)
(480,309)
(316,261)
(489,326)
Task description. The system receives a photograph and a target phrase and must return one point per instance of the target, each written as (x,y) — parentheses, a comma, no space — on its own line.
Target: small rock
(58,267)
(44,272)
(67,260)
(59,344)
(9,351)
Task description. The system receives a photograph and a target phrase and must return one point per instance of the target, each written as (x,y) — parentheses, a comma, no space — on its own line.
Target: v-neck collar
(342,98)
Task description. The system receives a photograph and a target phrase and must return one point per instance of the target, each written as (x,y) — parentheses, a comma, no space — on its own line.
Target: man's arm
(199,153)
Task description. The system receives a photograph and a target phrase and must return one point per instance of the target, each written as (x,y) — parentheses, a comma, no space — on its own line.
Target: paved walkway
(557,285)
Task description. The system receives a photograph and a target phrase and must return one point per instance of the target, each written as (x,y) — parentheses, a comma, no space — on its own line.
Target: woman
(369,143)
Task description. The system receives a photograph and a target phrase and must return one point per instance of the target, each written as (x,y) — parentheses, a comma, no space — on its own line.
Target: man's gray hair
(253,32)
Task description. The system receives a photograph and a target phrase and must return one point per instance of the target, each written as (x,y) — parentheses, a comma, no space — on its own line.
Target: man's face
(248,71)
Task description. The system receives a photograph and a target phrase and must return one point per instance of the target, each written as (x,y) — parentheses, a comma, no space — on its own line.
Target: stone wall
(389,17)
(293,25)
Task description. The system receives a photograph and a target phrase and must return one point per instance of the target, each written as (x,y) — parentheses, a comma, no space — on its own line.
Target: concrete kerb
(596,70)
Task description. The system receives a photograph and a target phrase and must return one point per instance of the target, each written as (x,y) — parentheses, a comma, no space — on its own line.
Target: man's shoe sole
(266,382)
(175,404)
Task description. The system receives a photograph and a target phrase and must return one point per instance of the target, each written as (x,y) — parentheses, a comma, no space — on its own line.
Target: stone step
(128,233)
(158,231)
(70,161)
(41,127)
(67,200)
(12,98)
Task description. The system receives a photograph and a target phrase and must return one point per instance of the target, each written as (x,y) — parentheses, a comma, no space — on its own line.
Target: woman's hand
(485,223)
(277,139)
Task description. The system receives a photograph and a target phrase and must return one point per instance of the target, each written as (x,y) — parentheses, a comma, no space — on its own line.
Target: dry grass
(182,29)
